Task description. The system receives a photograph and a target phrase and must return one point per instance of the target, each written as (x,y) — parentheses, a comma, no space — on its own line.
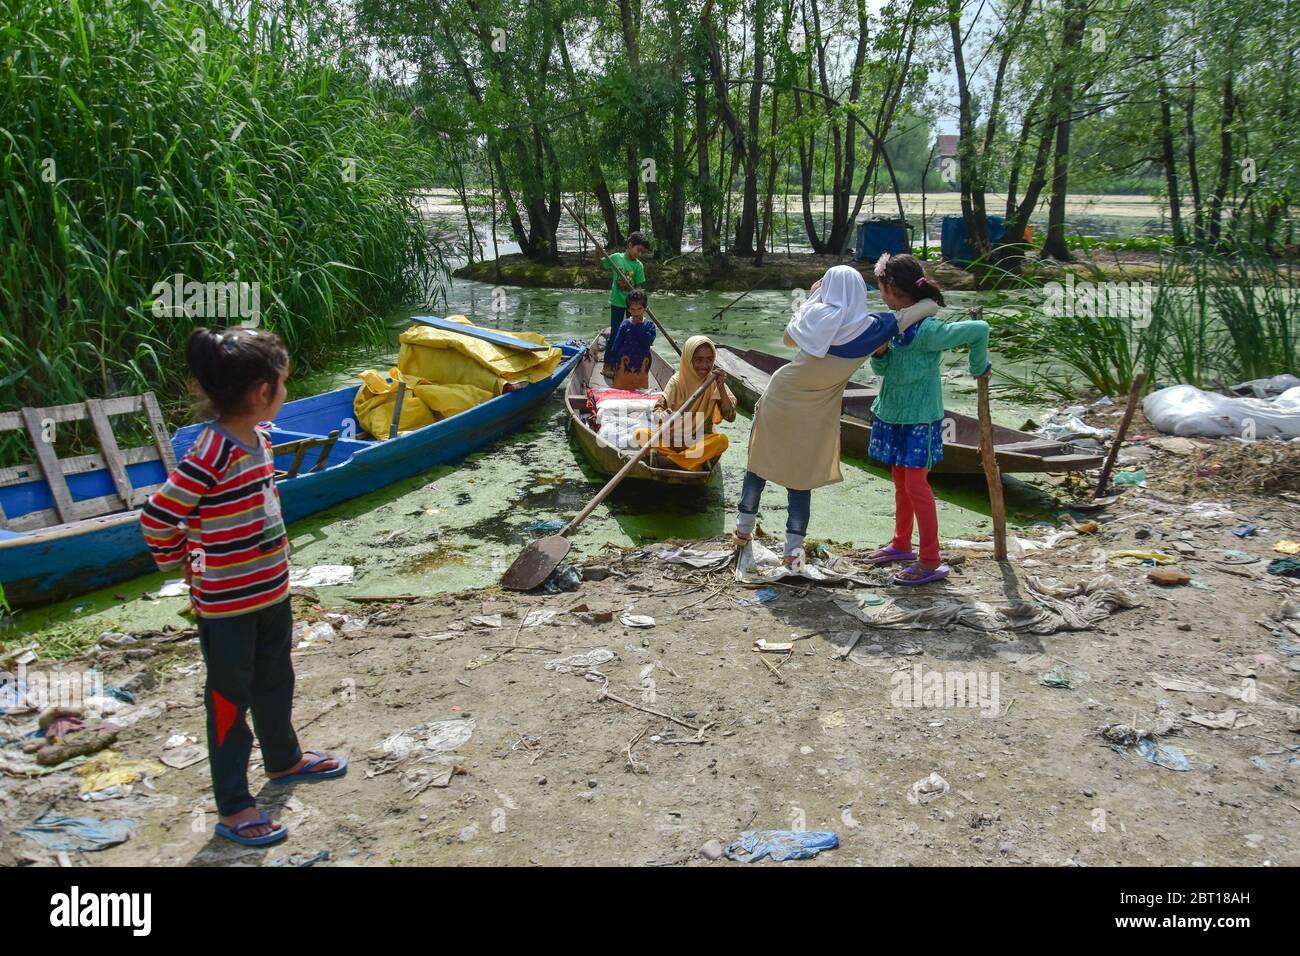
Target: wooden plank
(328,446)
(473,331)
(108,448)
(299,453)
(158,429)
(991,474)
(1136,390)
(12,421)
(102,507)
(48,463)
(17,474)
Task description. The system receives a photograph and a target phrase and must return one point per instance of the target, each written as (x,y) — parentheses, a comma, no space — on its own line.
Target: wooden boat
(603,456)
(79,531)
(749,371)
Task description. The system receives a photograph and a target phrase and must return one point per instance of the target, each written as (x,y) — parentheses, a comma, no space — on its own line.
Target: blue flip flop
(235,835)
(306,772)
(936,574)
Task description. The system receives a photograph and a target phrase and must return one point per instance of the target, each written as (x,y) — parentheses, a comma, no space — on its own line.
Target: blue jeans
(796,522)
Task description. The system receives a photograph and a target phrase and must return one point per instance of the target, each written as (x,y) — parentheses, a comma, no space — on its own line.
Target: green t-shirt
(632,268)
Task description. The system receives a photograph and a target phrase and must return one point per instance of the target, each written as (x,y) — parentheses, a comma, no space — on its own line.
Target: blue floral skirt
(912,446)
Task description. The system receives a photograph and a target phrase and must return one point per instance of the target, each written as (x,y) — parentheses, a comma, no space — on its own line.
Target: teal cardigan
(911,391)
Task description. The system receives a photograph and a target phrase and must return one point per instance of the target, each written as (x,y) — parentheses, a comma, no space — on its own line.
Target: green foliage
(144,138)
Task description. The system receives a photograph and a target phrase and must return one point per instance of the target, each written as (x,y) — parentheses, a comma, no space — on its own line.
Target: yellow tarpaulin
(447,358)
(375,400)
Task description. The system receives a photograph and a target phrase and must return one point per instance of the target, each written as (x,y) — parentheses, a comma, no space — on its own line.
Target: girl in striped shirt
(217,518)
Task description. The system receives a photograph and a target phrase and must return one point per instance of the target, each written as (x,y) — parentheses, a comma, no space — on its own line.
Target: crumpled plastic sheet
(1057,608)
(758,564)
(434,736)
(581,662)
(781,845)
(57,832)
(1189,411)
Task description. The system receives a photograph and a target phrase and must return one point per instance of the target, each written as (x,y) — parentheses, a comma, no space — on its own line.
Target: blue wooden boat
(322,467)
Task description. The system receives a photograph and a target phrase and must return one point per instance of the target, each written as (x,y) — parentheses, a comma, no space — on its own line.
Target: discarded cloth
(581,662)
(1187,410)
(109,768)
(57,832)
(1057,608)
(758,564)
(1285,567)
(781,845)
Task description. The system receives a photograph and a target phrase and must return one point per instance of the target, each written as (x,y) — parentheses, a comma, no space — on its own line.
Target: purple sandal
(235,834)
(889,553)
(926,576)
(308,771)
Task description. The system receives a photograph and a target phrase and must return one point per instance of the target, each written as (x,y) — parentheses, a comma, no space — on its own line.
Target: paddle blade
(536,563)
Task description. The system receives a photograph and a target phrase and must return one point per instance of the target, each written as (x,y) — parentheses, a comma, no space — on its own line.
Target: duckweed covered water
(460,526)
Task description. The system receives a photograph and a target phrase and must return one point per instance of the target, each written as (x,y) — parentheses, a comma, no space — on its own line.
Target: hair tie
(920,281)
(880,265)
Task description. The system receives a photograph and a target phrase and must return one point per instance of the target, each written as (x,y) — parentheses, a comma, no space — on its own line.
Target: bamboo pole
(1138,381)
(988,455)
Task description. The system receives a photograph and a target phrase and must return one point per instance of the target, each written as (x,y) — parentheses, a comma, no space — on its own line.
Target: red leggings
(913,498)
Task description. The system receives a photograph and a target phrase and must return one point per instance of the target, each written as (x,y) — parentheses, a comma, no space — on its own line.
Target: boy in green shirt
(630,263)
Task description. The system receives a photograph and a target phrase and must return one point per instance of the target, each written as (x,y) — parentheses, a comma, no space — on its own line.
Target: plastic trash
(1287,547)
(563,578)
(1285,567)
(1135,477)
(781,845)
(1162,755)
(1064,677)
(636,620)
(1187,410)
(57,832)
(581,662)
(548,525)
(766,595)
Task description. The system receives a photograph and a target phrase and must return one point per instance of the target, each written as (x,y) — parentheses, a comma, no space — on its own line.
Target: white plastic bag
(1188,411)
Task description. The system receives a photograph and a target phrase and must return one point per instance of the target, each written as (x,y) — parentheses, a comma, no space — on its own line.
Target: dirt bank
(691,272)
(555,770)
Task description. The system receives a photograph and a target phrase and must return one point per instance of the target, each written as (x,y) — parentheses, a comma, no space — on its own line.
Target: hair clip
(880,265)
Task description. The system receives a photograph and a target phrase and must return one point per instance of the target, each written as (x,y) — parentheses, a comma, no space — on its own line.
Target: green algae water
(461,525)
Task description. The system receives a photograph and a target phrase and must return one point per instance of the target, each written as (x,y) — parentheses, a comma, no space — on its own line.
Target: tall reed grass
(224,141)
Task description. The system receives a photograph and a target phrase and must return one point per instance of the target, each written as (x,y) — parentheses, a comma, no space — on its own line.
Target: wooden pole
(622,275)
(991,474)
(397,409)
(1138,381)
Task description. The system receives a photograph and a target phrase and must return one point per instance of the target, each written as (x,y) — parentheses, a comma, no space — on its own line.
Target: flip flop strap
(321,757)
(262,820)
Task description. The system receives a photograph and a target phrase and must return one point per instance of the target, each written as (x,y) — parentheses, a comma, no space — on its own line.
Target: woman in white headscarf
(795,438)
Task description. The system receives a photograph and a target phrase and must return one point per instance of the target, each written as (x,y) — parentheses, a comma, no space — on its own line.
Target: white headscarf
(834,314)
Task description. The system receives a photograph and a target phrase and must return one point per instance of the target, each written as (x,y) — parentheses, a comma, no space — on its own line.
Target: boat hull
(1019,452)
(63,562)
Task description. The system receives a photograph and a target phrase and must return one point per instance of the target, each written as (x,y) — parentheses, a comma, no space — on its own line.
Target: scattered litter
(773,647)
(178,740)
(1245,530)
(1135,477)
(581,662)
(1228,720)
(486,620)
(322,575)
(182,757)
(1285,567)
(1064,677)
(539,616)
(308,635)
(1126,740)
(926,789)
(1187,410)
(419,779)
(701,560)
(175,587)
(1140,557)
(1185,685)
(548,525)
(636,620)
(1176,445)
(57,832)
(1056,608)
(109,768)
(781,845)
(432,736)
(766,595)
(1168,577)
(908,649)
(298,860)
(1287,547)
(758,564)
(1066,425)
(564,578)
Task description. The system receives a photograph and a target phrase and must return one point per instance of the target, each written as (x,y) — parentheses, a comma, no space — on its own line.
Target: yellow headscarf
(685,380)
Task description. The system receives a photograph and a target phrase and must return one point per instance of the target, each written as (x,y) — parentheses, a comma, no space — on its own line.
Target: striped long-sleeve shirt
(220,510)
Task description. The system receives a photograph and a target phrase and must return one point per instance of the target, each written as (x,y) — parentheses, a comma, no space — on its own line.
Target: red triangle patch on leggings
(226,714)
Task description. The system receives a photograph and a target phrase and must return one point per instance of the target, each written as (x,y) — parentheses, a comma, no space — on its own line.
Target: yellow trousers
(693,458)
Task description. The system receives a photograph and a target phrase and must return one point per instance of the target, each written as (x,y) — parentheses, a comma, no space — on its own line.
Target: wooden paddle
(622,275)
(989,456)
(544,555)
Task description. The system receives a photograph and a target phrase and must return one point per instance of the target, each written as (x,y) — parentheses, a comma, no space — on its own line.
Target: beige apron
(795,437)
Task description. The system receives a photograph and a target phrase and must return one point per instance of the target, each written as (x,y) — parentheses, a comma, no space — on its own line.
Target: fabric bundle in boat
(448,359)
(620,412)
(425,402)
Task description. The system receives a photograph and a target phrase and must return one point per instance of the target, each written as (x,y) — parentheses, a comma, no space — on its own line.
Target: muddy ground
(557,771)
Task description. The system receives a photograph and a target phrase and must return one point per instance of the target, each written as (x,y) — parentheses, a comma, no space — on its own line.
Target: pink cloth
(913,499)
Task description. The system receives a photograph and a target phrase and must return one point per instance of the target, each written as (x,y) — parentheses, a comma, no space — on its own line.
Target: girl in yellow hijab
(692,443)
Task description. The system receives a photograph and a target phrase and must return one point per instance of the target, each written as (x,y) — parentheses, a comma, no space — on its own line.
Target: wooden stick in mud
(622,275)
(1138,381)
(991,474)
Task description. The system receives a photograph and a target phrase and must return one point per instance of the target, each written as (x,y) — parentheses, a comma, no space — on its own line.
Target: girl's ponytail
(904,272)
(227,365)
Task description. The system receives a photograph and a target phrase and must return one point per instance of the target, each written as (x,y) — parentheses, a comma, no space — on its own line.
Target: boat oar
(989,456)
(717,315)
(544,555)
(622,275)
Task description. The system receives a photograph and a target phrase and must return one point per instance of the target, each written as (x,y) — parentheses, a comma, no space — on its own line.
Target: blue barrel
(882,235)
(952,239)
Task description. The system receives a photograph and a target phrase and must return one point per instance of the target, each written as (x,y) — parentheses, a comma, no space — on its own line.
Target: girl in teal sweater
(907,416)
